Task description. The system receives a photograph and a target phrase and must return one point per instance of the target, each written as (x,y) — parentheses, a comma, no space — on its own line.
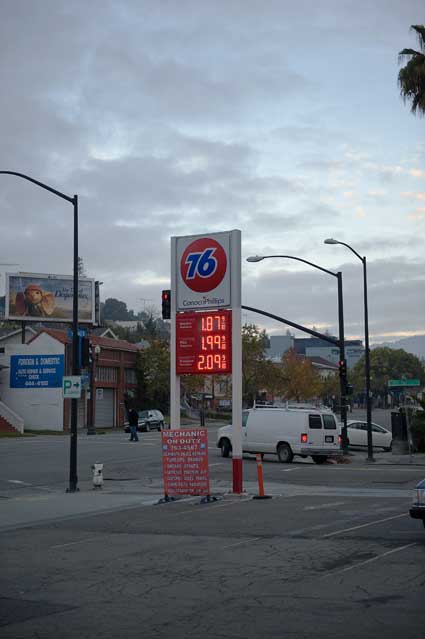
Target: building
(31,381)
(279,344)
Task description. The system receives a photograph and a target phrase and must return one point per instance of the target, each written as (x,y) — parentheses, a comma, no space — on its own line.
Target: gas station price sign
(204,343)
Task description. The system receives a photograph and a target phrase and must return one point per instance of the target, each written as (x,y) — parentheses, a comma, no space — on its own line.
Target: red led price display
(204,343)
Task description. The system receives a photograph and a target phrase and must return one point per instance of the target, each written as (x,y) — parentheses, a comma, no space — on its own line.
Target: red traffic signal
(166,304)
(343,367)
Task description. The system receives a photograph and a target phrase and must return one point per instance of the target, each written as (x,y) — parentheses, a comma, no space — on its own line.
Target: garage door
(105,414)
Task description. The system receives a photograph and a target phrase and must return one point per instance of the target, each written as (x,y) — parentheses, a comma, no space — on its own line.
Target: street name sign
(403,382)
(71,387)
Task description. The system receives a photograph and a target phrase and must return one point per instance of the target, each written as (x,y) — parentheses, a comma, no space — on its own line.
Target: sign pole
(236,362)
(174,378)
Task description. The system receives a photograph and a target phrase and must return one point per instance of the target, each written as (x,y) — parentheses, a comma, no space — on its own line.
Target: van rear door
(331,432)
(315,431)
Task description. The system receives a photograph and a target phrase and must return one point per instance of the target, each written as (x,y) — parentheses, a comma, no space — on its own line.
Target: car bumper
(417,512)
(324,452)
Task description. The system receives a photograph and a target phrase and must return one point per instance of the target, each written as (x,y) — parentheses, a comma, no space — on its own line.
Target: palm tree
(411,78)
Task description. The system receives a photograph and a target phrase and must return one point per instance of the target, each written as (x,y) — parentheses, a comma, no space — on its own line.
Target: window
(244,418)
(107,374)
(329,422)
(315,421)
(130,376)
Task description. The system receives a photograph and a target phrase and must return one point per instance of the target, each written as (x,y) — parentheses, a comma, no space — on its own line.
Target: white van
(285,432)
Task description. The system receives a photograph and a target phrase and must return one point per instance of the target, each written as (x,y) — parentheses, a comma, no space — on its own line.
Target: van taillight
(339,440)
(304,438)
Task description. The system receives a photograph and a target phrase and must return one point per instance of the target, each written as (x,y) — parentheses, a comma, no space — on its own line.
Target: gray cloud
(175,118)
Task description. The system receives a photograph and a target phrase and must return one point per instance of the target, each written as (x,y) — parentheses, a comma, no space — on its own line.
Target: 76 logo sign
(203,265)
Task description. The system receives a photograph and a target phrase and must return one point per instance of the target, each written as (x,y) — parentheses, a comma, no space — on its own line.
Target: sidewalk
(416,459)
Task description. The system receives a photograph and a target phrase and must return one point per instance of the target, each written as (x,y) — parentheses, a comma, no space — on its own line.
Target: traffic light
(166,304)
(85,352)
(343,368)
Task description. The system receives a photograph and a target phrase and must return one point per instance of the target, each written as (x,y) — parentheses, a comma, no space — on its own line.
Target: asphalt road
(333,554)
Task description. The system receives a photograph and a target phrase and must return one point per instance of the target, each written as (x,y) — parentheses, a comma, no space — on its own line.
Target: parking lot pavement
(332,566)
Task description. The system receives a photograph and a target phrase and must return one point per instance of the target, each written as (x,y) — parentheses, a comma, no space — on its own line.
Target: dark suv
(151,419)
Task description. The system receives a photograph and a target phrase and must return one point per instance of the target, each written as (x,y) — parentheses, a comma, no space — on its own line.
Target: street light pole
(342,379)
(370,457)
(73,479)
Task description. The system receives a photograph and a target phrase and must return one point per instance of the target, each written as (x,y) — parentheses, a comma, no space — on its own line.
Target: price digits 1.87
(213,323)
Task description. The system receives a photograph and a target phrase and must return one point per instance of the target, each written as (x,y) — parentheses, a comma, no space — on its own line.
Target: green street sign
(71,387)
(392,383)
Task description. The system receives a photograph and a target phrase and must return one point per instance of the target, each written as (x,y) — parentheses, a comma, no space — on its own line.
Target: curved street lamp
(342,378)
(73,479)
(370,457)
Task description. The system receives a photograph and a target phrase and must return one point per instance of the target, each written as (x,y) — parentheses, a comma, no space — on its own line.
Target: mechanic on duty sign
(185,461)
(203,271)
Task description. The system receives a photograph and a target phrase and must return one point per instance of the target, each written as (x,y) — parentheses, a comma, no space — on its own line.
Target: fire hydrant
(97,469)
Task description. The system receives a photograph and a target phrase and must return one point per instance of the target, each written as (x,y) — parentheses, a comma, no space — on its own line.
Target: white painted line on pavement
(73,543)
(287,470)
(18,481)
(369,561)
(328,505)
(371,523)
(213,507)
(239,543)
(217,464)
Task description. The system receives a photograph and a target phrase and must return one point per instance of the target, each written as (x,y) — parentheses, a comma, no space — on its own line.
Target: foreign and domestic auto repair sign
(185,461)
(203,271)
(36,371)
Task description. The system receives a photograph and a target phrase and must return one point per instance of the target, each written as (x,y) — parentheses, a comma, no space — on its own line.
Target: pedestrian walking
(133,419)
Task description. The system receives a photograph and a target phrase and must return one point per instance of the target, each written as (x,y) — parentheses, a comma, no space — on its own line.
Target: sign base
(237,476)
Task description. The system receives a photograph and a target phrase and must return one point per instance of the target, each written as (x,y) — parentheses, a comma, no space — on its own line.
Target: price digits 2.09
(212,341)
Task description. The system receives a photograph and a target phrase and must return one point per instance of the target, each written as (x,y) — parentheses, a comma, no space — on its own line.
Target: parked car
(357,435)
(286,432)
(417,511)
(151,419)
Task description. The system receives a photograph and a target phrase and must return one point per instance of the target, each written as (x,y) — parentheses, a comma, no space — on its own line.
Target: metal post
(73,479)
(370,457)
(342,379)
(237,466)
(174,378)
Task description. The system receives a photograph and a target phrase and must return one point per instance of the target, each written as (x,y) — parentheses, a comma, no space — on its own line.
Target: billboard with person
(47,298)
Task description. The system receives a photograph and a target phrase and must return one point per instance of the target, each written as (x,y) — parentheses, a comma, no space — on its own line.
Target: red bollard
(261,494)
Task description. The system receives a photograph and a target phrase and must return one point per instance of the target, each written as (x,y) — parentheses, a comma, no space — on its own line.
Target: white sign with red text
(203,272)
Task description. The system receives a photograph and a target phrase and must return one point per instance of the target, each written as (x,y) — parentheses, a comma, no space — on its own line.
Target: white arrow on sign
(71,387)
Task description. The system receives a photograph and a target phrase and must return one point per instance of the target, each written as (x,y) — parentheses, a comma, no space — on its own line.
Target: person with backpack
(133,419)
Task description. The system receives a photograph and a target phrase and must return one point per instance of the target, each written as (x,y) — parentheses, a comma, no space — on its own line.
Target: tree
(258,373)
(114,309)
(411,77)
(153,373)
(301,380)
(385,364)
(81,268)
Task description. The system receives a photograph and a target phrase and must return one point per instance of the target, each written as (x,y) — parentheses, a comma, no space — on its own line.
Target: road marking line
(73,543)
(369,561)
(287,470)
(231,503)
(378,521)
(328,505)
(18,481)
(217,464)
(245,541)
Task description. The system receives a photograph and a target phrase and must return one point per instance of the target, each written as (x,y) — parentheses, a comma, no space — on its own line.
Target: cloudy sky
(175,117)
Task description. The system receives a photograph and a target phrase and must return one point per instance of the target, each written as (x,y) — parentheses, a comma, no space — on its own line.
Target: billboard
(47,298)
